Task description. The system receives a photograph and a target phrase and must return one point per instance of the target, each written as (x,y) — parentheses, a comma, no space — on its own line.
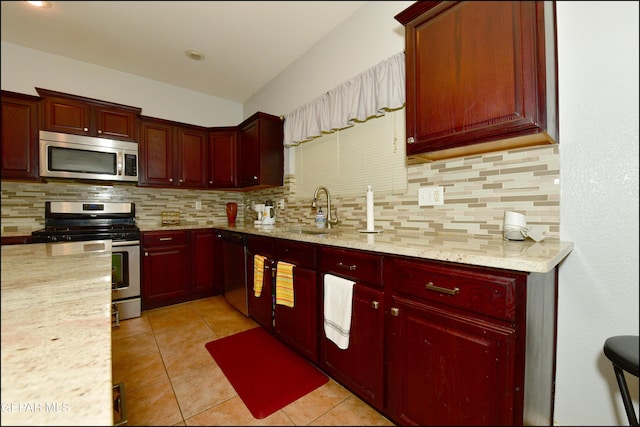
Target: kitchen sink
(311,231)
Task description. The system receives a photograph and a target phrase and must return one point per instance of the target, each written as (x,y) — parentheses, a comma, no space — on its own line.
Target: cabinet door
(222,159)
(165,270)
(448,369)
(297,325)
(249,154)
(116,124)
(156,155)
(19,137)
(261,307)
(476,73)
(67,116)
(361,365)
(202,263)
(192,157)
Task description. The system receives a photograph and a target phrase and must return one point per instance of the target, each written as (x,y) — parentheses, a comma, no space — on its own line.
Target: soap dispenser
(321,219)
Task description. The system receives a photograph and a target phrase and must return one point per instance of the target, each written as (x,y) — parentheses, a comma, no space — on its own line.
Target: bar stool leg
(626,398)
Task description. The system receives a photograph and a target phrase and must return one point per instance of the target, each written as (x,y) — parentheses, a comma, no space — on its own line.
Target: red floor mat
(266,374)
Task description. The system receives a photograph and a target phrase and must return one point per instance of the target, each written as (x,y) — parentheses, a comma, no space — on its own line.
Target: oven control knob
(53,239)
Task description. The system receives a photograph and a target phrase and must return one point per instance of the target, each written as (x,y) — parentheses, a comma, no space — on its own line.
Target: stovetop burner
(83,221)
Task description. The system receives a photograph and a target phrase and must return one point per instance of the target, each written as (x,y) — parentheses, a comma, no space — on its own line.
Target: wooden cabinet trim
(44,93)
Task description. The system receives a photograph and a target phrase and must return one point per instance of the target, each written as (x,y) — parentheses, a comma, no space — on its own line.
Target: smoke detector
(196,55)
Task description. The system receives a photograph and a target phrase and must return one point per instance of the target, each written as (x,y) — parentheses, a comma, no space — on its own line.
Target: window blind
(347,161)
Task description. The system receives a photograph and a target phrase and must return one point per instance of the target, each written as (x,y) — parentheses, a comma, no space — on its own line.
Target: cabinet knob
(99,131)
(255,178)
(182,180)
(86,129)
(395,311)
(410,140)
(170,179)
(210,182)
(375,305)
(146,254)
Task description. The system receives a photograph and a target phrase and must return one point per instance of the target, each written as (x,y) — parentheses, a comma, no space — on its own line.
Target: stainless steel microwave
(65,155)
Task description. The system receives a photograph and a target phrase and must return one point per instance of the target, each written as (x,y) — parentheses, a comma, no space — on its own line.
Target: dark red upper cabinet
(19,141)
(192,156)
(78,115)
(260,152)
(222,157)
(172,154)
(481,77)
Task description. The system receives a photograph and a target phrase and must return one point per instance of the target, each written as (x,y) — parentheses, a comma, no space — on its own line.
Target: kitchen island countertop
(56,334)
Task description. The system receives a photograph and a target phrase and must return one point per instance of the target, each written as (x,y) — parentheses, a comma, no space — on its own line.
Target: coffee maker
(269,213)
(259,208)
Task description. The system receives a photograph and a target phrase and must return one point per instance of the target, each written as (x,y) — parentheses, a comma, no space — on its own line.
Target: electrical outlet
(281,204)
(431,196)
(198,205)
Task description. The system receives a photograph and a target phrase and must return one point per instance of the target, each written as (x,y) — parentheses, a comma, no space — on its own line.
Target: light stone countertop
(56,334)
(526,255)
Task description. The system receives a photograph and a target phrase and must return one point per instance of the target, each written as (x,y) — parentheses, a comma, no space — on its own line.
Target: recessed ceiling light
(40,4)
(194,54)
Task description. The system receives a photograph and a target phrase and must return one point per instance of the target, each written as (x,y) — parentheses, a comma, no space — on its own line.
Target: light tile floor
(171,379)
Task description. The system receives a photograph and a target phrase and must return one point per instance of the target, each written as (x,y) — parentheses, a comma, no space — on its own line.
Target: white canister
(514,224)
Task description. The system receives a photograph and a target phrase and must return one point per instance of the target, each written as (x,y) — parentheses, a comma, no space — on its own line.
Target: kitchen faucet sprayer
(330,220)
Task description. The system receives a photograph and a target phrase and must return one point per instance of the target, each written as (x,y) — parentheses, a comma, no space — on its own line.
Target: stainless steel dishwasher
(234,270)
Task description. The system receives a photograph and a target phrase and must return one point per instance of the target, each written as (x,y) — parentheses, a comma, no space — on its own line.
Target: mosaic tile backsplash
(477,191)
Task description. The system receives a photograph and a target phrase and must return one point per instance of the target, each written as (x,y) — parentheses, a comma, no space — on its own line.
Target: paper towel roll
(370,221)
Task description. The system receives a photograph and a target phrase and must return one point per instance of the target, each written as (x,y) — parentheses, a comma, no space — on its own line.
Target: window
(348,160)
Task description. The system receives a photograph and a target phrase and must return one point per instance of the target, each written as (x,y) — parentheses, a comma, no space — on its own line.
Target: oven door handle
(126,243)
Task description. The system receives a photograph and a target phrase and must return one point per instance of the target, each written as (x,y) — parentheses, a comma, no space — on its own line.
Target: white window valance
(369,94)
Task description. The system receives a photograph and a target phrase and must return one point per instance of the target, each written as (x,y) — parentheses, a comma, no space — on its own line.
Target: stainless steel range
(89,220)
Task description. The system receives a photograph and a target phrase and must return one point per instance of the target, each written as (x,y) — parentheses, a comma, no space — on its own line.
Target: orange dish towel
(258,274)
(284,284)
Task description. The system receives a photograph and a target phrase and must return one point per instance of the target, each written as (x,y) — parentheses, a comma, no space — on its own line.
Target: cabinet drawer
(478,290)
(164,238)
(352,265)
(257,245)
(300,254)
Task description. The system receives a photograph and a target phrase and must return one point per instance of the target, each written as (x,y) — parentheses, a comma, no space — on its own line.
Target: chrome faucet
(330,220)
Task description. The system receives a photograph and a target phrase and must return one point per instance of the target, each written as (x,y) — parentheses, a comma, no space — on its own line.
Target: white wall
(365,39)
(23,69)
(598,67)
(598,91)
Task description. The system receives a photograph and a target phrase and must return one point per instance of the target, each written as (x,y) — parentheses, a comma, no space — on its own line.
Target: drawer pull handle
(395,311)
(346,267)
(164,239)
(375,305)
(431,287)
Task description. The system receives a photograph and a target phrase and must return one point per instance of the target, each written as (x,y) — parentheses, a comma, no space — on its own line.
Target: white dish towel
(338,302)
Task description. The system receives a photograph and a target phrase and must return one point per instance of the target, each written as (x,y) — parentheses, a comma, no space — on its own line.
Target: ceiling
(245,43)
